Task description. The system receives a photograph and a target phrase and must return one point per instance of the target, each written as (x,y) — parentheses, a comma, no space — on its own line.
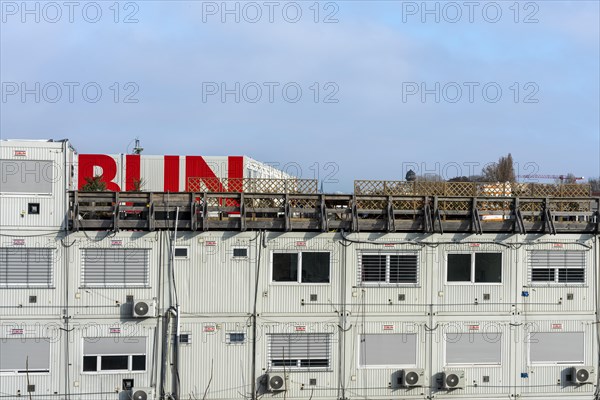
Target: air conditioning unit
(584,374)
(277,383)
(454,380)
(142,393)
(144,308)
(413,377)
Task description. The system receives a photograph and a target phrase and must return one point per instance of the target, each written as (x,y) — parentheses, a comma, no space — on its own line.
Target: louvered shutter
(403,268)
(557,266)
(30,267)
(304,350)
(115,267)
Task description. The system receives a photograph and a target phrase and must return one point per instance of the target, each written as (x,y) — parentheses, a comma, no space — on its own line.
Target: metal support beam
(287,213)
(242,213)
(116,211)
(437,214)
(427,219)
(204,212)
(390,215)
(475,218)
(354,211)
(548,218)
(324,224)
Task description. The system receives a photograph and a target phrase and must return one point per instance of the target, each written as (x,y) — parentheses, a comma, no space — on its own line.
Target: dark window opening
(459,267)
(315,267)
(241,252)
(181,252)
(285,267)
(138,363)
(111,363)
(488,267)
(236,337)
(90,363)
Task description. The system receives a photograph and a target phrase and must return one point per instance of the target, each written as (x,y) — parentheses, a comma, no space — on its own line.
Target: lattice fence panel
(253,185)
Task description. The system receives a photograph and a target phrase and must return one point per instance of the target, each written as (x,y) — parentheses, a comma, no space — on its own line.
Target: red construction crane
(561,177)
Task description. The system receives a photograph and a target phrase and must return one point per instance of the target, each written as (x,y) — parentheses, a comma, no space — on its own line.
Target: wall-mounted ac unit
(412,377)
(454,379)
(583,374)
(144,308)
(142,393)
(276,382)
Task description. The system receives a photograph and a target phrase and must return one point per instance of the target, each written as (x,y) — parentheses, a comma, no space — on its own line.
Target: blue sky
(362,69)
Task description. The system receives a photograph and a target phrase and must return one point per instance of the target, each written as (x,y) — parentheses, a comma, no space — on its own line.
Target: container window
(388,350)
(115,267)
(236,337)
(557,266)
(114,354)
(26,176)
(388,268)
(25,267)
(303,351)
(302,267)
(181,252)
(25,354)
(240,252)
(474,268)
(556,347)
(473,348)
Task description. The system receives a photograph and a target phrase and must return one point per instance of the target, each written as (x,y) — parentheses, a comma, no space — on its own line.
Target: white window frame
(129,370)
(240,257)
(556,282)
(555,363)
(298,367)
(129,356)
(299,280)
(472,281)
(480,364)
(187,253)
(387,255)
(234,343)
(417,353)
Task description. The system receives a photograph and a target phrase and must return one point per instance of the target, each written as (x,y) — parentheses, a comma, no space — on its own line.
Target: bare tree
(502,171)
(595,184)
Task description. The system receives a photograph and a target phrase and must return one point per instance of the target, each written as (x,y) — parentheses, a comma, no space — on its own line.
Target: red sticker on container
(301,328)
(389,245)
(557,245)
(20,153)
(18,242)
(556,326)
(474,244)
(388,327)
(210,328)
(16,331)
(115,330)
(211,243)
(116,242)
(301,244)
(473,327)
